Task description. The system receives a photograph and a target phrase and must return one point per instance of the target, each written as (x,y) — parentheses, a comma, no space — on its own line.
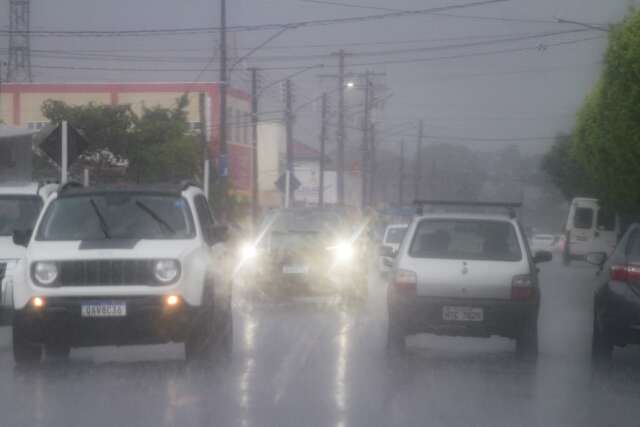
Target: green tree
(607,135)
(156,145)
(565,171)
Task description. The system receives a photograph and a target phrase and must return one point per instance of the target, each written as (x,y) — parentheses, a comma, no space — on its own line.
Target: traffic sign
(294,183)
(52,143)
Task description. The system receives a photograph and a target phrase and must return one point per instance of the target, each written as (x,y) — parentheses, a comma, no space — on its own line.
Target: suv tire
(24,351)
(200,340)
(527,341)
(396,338)
(601,344)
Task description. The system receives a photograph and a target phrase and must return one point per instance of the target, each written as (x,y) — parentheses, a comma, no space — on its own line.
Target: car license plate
(104,309)
(295,269)
(462,314)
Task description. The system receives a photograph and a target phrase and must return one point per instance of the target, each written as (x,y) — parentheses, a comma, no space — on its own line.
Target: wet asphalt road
(320,363)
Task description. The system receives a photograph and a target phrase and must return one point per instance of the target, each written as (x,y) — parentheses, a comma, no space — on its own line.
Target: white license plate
(462,314)
(104,309)
(295,269)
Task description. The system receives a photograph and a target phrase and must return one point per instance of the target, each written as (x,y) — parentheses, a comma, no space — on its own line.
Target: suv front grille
(106,273)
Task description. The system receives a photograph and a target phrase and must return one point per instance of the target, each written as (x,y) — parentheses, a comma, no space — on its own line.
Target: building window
(194,127)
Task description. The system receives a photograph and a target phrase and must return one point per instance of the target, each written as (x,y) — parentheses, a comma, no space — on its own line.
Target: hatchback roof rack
(509,206)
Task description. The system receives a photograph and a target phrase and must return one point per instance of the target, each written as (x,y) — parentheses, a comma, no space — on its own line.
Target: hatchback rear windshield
(466,240)
(117,216)
(18,213)
(583,218)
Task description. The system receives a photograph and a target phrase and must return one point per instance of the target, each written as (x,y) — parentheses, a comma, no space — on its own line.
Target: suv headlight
(45,273)
(166,271)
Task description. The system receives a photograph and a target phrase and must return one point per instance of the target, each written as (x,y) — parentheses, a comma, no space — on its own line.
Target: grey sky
(529,93)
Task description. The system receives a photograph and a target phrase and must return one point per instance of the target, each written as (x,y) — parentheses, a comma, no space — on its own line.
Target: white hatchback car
(119,266)
(465,274)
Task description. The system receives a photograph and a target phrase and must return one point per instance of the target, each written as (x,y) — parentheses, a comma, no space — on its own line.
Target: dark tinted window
(583,218)
(122,216)
(466,239)
(18,213)
(606,220)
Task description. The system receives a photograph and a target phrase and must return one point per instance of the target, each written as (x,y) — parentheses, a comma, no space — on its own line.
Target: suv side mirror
(21,237)
(218,234)
(542,256)
(596,258)
(387,251)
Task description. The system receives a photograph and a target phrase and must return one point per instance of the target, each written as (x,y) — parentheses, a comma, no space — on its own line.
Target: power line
(259,27)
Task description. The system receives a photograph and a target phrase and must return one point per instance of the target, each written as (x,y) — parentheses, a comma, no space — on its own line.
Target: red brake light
(405,282)
(624,273)
(522,288)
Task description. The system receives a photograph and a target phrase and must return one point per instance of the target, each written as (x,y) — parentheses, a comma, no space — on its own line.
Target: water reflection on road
(320,362)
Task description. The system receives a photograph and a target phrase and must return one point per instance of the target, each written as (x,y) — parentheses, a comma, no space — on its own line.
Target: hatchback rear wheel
(601,344)
(527,341)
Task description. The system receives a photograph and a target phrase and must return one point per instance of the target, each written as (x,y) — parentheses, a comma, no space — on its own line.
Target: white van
(589,228)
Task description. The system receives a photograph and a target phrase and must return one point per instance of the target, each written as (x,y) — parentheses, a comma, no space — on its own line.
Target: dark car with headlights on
(307,251)
(120,266)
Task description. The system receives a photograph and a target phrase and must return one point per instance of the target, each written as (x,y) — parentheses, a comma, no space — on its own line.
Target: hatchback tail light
(625,273)
(522,288)
(405,282)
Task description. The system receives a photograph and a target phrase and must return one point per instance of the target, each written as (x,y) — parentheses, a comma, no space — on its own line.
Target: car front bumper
(425,315)
(148,321)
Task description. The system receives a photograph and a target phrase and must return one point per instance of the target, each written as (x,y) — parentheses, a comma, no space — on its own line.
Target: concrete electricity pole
(255,202)
(374,166)
(288,100)
(340,136)
(223,167)
(401,175)
(323,143)
(417,175)
(366,126)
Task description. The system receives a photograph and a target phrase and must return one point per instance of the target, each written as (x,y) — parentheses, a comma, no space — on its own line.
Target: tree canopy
(603,158)
(156,145)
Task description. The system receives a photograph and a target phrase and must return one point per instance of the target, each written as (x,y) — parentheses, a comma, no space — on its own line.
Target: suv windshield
(466,240)
(18,213)
(117,216)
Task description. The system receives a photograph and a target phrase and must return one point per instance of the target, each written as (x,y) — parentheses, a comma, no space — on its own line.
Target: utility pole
(401,175)
(254,148)
(366,125)
(289,124)
(323,142)
(19,67)
(204,138)
(223,168)
(374,166)
(417,176)
(341,136)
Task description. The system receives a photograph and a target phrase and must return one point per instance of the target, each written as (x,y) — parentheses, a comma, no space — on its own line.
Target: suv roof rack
(69,185)
(186,184)
(509,206)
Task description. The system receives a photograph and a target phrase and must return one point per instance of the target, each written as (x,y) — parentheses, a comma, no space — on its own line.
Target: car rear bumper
(425,315)
(148,321)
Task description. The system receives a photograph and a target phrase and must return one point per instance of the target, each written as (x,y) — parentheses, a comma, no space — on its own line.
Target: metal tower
(19,66)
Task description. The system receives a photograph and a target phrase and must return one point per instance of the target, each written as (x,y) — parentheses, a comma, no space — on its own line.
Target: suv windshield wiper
(103,223)
(156,217)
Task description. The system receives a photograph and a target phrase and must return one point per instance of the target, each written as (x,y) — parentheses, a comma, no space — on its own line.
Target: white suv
(20,204)
(465,274)
(119,266)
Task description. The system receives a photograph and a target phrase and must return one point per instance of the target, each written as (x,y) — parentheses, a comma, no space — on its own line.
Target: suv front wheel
(211,332)
(24,351)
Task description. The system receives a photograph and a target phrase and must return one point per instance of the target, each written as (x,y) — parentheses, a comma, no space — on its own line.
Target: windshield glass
(18,213)
(117,216)
(583,218)
(306,221)
(395,235)
(466,239)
